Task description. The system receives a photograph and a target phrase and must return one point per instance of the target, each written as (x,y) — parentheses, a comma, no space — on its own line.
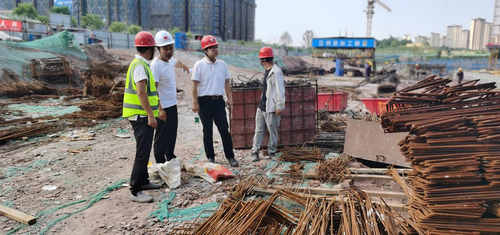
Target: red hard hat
(208,41)
(266,52)
(144,39)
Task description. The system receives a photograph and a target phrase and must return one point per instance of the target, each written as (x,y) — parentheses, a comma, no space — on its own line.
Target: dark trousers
(166,135)
(144,140)
(212,110)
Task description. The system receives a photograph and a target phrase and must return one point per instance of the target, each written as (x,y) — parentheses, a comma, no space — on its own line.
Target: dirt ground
(106,159)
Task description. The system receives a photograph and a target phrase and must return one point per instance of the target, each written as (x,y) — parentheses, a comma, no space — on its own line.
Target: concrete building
(464,39)
(434,40)
(442,41)
(488,30)
(453,35)
(421,39)
(407,37)
(227,19)
(480,33)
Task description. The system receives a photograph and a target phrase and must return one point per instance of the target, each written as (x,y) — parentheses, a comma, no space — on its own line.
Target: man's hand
(278,112)
(196,107)
(152,122)
(229,103)
(185,69)
(163,115)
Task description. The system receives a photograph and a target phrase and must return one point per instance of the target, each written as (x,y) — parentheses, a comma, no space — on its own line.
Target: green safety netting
(16,55)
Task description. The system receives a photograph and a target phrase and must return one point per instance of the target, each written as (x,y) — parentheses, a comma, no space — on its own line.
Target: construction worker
(417,70)
(460,76)
(163,68)
(368,70)
(211,80)
(272,103)
(140,106)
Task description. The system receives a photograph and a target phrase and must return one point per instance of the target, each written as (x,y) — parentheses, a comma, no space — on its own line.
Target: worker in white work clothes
(163,68)
(140,106)
(272,103)
(211,80)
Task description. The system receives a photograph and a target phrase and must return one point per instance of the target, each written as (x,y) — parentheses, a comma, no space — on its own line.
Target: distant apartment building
(480,33)
(453,35)
(442,41)
(407,37)
(434,40)
(464,39)
(421,39)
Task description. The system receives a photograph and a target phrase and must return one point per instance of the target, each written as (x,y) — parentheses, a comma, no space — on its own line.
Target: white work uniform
(212,77)
(164,74)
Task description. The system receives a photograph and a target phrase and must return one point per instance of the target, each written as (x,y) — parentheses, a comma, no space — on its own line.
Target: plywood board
(367,140)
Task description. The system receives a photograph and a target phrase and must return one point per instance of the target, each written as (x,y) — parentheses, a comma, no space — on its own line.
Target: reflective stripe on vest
(131,103)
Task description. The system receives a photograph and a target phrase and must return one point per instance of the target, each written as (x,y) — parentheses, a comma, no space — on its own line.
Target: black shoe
(211,160)
(151,186)
(255,157)
(233,162)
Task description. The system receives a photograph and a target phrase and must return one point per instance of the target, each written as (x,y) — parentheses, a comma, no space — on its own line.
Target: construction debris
(453,148)
(334,170)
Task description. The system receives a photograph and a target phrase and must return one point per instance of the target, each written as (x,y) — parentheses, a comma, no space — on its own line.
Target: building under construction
(227,19)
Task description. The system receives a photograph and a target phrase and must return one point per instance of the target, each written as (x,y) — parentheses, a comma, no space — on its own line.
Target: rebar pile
(287,213)
(334,123)
(334,170)
(360,216)
(331,140)
(453,146)
(295,154)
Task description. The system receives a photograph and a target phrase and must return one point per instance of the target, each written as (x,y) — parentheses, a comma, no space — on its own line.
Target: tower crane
(369,15)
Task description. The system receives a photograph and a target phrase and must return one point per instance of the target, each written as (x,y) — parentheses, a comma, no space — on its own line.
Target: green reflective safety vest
(131,104)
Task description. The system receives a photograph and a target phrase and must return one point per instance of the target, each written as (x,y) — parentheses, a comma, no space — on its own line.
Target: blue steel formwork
(237,20)
(201,16)
(178,12)
(160,14)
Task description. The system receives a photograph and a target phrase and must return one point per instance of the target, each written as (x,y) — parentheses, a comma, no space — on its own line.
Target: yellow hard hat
(417,65)
(386,62)
(459,69)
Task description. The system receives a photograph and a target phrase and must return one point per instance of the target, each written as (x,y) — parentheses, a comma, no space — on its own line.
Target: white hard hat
(163,38)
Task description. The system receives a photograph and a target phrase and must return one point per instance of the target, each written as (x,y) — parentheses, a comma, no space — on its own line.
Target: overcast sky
(327,17)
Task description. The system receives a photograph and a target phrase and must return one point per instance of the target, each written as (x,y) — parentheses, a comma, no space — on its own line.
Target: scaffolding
(160,15)
(178,14)
(201,16)
(495,36)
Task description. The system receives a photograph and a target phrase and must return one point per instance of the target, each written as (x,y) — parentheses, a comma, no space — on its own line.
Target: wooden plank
(367,140)
(353,176)
(261,191)
(17,215)
(332,191)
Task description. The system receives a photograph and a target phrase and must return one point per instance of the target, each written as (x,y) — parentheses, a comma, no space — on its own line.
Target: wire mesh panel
(7,4)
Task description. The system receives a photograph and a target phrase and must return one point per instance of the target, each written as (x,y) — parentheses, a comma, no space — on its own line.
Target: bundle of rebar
(361,216)
(453,146)
(334,123)
(295,154)
(334,170)
(330,140)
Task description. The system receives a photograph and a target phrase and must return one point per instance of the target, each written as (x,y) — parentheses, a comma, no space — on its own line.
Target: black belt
(214,97)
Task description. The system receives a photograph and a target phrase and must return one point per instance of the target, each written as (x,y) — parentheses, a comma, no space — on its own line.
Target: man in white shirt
(211,80)
(163,68)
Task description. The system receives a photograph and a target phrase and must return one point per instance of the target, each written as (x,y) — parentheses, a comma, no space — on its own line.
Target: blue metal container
(339,68)
(31,37)
(180,40)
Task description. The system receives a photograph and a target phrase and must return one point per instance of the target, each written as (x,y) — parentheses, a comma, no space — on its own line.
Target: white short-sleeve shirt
(212,77)
(164,74)
(139,72)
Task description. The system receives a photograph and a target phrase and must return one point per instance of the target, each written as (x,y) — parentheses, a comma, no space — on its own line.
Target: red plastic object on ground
(338,102)
(375,105)
(298,120)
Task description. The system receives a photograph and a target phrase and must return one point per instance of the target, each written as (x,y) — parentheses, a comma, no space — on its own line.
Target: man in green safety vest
(141,107)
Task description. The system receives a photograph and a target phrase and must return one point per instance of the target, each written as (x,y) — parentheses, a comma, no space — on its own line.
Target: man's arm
(229,94)
(162,115)
(182,66)
(280,91)
(143,99)
(194,92)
